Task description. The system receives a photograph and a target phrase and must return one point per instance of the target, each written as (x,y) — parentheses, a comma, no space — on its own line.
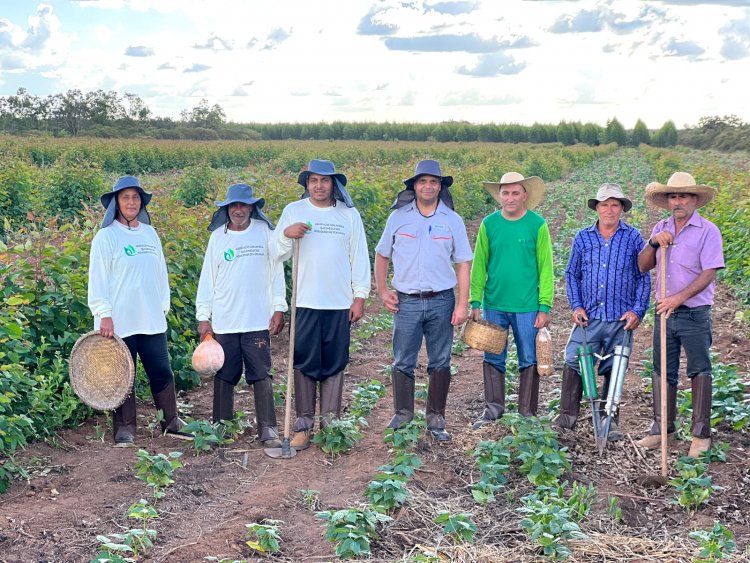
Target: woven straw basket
(101,371)
(485,336)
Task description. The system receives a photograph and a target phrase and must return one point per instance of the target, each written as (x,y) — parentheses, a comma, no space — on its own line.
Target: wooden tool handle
(663,364)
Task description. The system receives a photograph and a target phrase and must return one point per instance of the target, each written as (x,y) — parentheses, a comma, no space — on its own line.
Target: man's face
(682,205)
(609,211)
(320,189)
(129,203)
(427,189)
(239,215)
(513,198)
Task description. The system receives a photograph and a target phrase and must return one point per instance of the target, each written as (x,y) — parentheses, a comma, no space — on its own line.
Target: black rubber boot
(494,395)
(403,399)
(331,390)
(265,413)
(528,391)
(166,401)
(223,400)
(570,398)
(124,422)
(437,397)
(653,437)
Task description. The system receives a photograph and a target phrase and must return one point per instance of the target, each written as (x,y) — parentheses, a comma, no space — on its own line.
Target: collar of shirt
(441,208)
(695,220)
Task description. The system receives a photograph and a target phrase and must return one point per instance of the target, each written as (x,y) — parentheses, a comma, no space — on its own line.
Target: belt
(423,294)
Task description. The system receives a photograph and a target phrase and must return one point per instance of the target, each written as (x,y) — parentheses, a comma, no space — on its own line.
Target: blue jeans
(602,336)
(689,328)
(417,318)
(524,334)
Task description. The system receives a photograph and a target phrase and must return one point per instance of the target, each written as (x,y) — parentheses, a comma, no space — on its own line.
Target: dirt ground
(81,486)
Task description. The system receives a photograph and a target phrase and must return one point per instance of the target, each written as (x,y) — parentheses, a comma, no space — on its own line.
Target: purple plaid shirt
(697,248)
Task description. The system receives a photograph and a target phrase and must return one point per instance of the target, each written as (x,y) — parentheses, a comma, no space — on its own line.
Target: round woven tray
(485,336)
(101,371)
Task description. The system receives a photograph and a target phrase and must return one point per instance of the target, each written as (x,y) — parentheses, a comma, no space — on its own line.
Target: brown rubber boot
(528,391)
(265,413)
(701,443)
(124,422)
(331,390)
(570,399)
(494,395)
(305,390)
(403,399)
(437,397)
(166,401)
(223,400)
(653,439)
(615,435)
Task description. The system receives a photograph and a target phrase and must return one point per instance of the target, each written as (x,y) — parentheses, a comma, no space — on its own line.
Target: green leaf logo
(310,225)
(130,250)
(229,255)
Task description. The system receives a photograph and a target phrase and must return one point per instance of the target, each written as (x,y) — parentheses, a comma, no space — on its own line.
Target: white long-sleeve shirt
(241,285)
(334,266)
(128,280)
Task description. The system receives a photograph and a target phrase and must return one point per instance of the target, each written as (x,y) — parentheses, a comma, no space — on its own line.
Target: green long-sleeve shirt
(512,268)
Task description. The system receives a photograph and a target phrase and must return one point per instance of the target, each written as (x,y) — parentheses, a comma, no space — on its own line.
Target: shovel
(286,451)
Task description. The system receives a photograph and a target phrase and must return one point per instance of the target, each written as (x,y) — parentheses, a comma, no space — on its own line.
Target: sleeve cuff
(544,308)
(475,304)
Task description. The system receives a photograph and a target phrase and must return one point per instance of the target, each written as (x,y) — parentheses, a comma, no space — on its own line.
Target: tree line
(109,114)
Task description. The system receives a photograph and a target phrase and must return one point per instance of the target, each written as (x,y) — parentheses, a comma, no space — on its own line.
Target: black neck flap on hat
(110,214)
(221,218)
(408,195)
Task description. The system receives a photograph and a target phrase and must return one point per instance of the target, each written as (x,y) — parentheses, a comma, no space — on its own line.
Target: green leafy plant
(614,509)
(457,526)
(197,184)
(264,537)
(157,470)
(310,498)
(407,436)
(365,397)
(235,427)
(339,436)
(115,546)
(206,435)
(715,544)
(387,490)
(550,525)
(693,483)
(353,529)
(403,463)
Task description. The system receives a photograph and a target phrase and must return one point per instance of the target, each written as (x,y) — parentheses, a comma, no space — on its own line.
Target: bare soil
(81,486)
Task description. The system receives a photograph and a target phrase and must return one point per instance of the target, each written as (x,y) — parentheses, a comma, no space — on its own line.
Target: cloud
(675,48)
(300,94)
(381,86)
(239,91)
(166,66)
(452,8)
(474,98)
(736,38)
(370,24)
(277,35)
(493,64)
(12,61)
(215,43)
(197,67)
(331,93)
(8,34)
(41,27)
(609,48)
(139,51)
(738,3)
(470,43)
(583,22)
(408,99)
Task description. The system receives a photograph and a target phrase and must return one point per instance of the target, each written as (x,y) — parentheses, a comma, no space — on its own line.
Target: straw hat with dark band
(101,371)
(678,183)
(533,185)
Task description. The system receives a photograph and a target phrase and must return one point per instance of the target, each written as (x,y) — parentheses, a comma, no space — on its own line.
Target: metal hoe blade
(284,452)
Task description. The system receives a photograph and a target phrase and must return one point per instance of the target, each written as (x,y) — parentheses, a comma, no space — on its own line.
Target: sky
(482,61)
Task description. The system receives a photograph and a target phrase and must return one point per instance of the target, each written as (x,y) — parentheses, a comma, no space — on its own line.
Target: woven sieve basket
(101,371)
(485,336)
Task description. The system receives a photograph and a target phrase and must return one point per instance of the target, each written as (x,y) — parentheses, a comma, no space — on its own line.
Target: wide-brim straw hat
(609,191)
(678,183)
(101,371)
(533,185)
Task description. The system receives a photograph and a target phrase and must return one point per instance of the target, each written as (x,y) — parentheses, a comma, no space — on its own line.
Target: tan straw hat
(533,185)
(678,183)
(101,371)
(608,191)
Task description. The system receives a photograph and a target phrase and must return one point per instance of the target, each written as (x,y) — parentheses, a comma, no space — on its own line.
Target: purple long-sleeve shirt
(697,247)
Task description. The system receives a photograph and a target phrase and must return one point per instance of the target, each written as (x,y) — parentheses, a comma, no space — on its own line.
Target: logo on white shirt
(229,255)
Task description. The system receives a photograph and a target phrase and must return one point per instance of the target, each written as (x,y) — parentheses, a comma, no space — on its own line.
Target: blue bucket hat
(238,193)
(109,201)
(326,168)
(425,168)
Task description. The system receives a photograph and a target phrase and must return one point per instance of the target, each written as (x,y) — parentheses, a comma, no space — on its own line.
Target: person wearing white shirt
(241,300)
(333,282)
(128,294)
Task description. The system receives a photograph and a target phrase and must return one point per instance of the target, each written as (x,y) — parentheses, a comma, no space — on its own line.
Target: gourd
(208,357)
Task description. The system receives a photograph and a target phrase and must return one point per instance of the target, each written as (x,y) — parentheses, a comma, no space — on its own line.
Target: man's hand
(390,300)
(460,314)
(631,320)
(204,328)
(357,310)
(296,230)
(542,320)
(663,238)
(580,317)
(107,327)
(476,314)
(667,305)
(276,324)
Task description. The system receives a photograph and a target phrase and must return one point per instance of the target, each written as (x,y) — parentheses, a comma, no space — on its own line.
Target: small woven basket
(101,371)
(485,336)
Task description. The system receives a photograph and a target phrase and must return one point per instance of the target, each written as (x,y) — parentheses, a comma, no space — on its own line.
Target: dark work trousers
(321,342)
(253,349)
(152,349)
(689,328)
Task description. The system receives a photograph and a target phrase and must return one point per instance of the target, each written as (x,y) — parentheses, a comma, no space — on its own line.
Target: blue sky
(409,60)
